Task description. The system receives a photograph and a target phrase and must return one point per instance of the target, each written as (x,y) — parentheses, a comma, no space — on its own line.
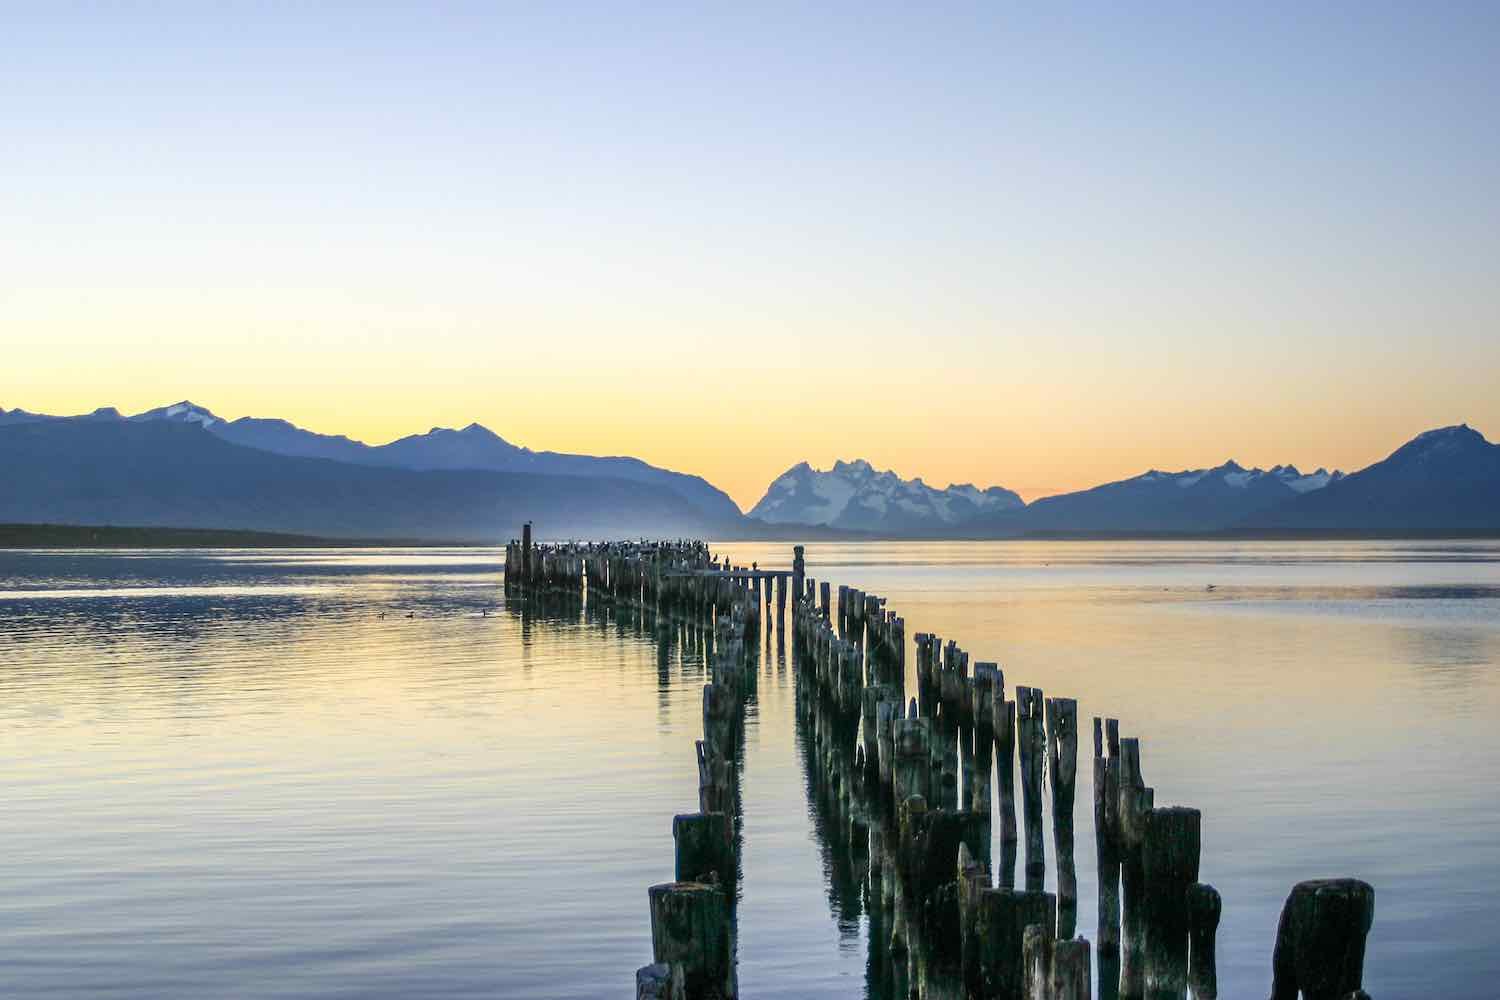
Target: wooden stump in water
(1169,861)
(1204,907)
(1320,940)
(1072,973)
(690,928)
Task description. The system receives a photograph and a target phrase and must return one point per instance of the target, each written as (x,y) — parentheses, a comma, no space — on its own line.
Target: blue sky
(1038,249)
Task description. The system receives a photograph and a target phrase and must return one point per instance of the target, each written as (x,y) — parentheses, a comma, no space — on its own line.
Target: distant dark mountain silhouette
(1195,501)
(171,473)
(1443,482)
(474,447)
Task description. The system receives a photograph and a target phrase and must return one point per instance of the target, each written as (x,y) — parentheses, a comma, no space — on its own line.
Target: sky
(1040,249)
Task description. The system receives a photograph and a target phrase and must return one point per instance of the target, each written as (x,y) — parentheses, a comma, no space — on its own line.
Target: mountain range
(855,496)
(475,447)
(182,466)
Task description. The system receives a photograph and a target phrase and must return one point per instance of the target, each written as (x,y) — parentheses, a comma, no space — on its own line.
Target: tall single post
(1136,801)
(1031,740)
(1106,841)
(799,572)
(526,554)
(1062,759)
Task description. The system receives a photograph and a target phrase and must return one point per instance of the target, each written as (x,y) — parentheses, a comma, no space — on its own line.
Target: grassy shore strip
(73,536)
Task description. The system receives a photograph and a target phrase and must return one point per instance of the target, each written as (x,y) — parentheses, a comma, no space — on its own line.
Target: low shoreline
(72,536)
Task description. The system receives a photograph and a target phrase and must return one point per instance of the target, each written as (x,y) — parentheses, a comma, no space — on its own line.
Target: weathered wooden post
(825,595)
(1032,744)
(690,928)
(1005,747)
(911,771)
(705,849)
(986,675)
(1106,842)
(799,572)
(1169,857)
(1062,758)
(1320,940)
(1136,801)
(1204,907)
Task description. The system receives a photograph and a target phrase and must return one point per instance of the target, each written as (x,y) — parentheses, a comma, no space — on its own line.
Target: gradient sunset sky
(1035,249)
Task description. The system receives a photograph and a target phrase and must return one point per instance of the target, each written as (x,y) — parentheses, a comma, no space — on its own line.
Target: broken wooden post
(1001,921)
(705,848)
(1062,760)
(1169,861)
(1204,907)
(1320,940)
(690,928)
(1031,742)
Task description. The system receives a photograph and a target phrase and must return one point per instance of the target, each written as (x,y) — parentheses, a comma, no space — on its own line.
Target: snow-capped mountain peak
(854,494)
(185,412)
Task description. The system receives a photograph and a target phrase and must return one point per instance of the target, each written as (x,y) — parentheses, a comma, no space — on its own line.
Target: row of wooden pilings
(904,783)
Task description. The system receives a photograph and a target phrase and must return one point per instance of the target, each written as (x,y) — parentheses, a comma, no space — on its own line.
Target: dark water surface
(361,774)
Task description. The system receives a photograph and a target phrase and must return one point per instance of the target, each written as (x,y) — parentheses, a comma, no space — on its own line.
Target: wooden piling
(705,849)
(1106,842)
(1204,907)
(1005,747)
(1320,940)
(1031,742)
(1136,801)
(1169,853)
(690,928)
(1062,759)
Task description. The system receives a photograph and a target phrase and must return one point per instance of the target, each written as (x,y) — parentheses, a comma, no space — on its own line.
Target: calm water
(319,774)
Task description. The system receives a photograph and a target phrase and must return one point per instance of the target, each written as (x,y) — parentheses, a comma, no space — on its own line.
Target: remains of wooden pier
(901,782)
